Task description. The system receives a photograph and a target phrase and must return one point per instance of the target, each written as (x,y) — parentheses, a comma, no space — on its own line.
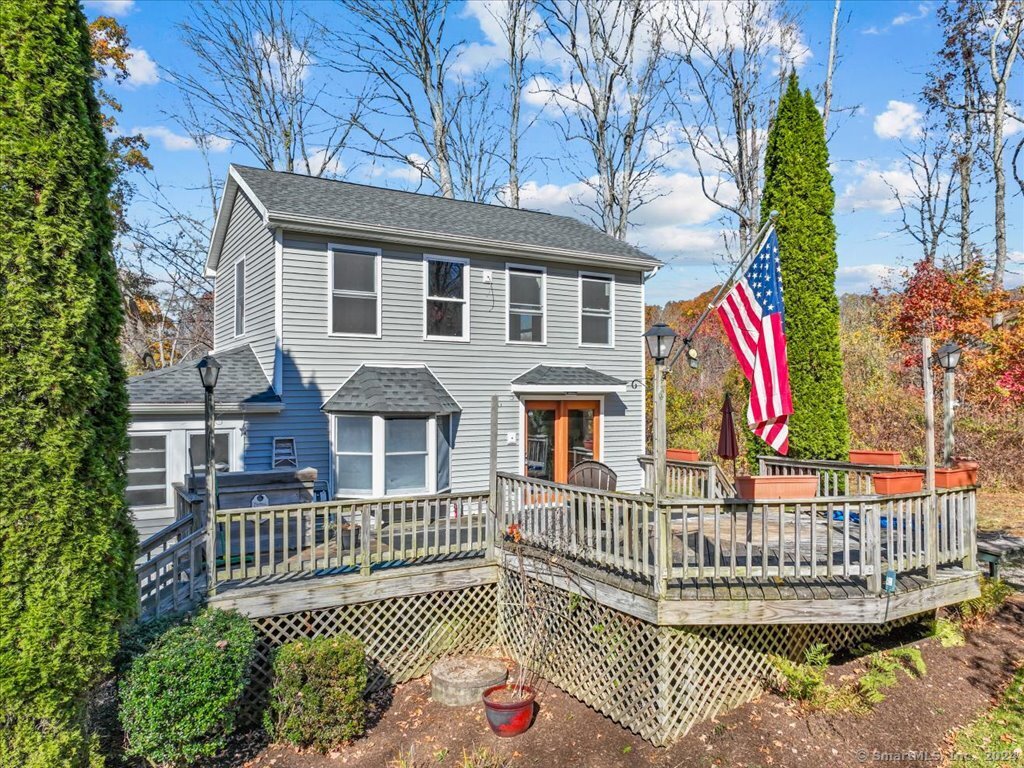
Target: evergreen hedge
(67,544)
(799,186)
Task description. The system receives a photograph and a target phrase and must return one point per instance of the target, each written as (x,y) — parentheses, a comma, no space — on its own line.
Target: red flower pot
(888,483)
(886,458)
(777,486)
(682,454)
(957,477)
(508,716)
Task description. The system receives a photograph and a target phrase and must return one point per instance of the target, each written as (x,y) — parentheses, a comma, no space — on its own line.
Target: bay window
(353,466)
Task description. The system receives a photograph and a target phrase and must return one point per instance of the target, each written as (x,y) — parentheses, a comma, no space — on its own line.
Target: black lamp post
(948,358)
(660,339)
(209,372)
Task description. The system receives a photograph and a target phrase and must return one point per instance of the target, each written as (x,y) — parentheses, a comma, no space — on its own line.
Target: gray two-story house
(363,332)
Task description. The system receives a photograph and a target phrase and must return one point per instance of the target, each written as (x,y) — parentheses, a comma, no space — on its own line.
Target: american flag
(754,321)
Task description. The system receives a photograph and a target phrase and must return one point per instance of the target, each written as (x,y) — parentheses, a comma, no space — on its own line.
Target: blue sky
(886,50)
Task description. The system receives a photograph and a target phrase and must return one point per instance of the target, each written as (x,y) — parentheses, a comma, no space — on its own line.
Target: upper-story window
(239,297)
(355,291)
(447,298)
(526,305)
(597,300)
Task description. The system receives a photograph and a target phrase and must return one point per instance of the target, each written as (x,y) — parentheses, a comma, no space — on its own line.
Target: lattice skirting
(656,681)
(403,636)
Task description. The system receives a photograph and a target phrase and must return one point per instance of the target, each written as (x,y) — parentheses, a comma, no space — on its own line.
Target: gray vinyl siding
(246,236)
(315,364)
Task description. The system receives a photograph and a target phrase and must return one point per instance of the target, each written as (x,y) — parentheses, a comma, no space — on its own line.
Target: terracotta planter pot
(682,454)
(885,458)
(777,486)
(509,718)
(957,477)
(888,483)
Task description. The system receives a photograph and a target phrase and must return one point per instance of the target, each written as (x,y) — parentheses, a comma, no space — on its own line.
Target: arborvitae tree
(66,540)
(799,186)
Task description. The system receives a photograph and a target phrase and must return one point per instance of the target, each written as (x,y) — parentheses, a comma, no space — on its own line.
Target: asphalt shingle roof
(392,389)
(567,376)
(343,202)
(241,381)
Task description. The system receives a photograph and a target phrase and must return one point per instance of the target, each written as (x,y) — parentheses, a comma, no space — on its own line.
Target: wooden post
(364,538)
(873,546)
(211,499)
(492,501)
(663,532)
(931,525)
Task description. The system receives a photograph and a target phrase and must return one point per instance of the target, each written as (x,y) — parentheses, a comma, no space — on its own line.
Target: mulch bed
(912,725)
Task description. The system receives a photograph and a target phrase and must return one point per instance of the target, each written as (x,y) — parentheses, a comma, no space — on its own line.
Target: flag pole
(755,246)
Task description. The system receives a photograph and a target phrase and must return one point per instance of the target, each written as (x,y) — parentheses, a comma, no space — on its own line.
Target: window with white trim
(446,306)
(355,292)
(239,297)
(221,451)
(353,456)
(377,455)
(597,294)
(147,471)
(525,305)
(405,455)
(285,454)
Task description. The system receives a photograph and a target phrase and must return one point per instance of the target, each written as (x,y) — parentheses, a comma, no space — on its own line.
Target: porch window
(405,455)
(447,307)
(239,297)
(353,471)
(221,451)
(526,305)
(596,302)
(147,471)
(355,292)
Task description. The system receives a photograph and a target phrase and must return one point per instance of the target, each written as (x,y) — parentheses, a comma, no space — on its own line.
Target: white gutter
(157,408)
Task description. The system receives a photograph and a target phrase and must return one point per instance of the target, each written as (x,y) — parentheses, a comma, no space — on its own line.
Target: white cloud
(900,120)
(176,142)
(872,188)
(318,158)
(116,8)
(1014,269)
(923,10)
(142,70)
(862,278)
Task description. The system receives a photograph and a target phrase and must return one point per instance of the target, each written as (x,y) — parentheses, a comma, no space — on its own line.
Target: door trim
(561,405)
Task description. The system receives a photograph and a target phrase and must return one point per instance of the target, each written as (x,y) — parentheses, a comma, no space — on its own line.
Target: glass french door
(559,435)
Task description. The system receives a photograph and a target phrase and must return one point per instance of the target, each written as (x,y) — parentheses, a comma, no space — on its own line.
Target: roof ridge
(406,192)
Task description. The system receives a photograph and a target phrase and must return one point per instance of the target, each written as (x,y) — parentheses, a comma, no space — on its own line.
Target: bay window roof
(384,390)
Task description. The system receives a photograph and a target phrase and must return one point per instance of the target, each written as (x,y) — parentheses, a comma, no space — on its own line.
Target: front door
(559,435)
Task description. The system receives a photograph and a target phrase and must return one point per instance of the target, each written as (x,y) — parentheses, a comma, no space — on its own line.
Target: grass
(1001,511)
(478,758)
(997,737)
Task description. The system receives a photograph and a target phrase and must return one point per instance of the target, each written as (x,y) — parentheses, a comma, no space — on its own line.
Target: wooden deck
(696,561)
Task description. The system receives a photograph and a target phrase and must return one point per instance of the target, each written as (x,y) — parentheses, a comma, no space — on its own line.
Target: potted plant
(759,487)
(888,483)
(956,476)
(682,454)
(509,706)
(877,458)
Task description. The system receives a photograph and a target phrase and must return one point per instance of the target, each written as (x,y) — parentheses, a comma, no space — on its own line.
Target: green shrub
(948,632)
(180,698)
(972,613)
(803,681)
(317,698)
(139,637)
(882,669)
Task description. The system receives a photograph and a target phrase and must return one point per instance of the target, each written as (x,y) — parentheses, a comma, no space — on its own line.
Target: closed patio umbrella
(728,447)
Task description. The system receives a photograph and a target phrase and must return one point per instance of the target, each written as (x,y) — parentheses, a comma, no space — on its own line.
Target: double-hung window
(147,471)
(383,455)
(221,451)
(597,297)
(239,297)
(353,467)
(355,291)
(526,305)
(447,294)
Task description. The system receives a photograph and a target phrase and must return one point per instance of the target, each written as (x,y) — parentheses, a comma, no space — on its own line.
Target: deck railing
(689,479)
(835,478)
(346,535)
(830,537)
(170,568)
